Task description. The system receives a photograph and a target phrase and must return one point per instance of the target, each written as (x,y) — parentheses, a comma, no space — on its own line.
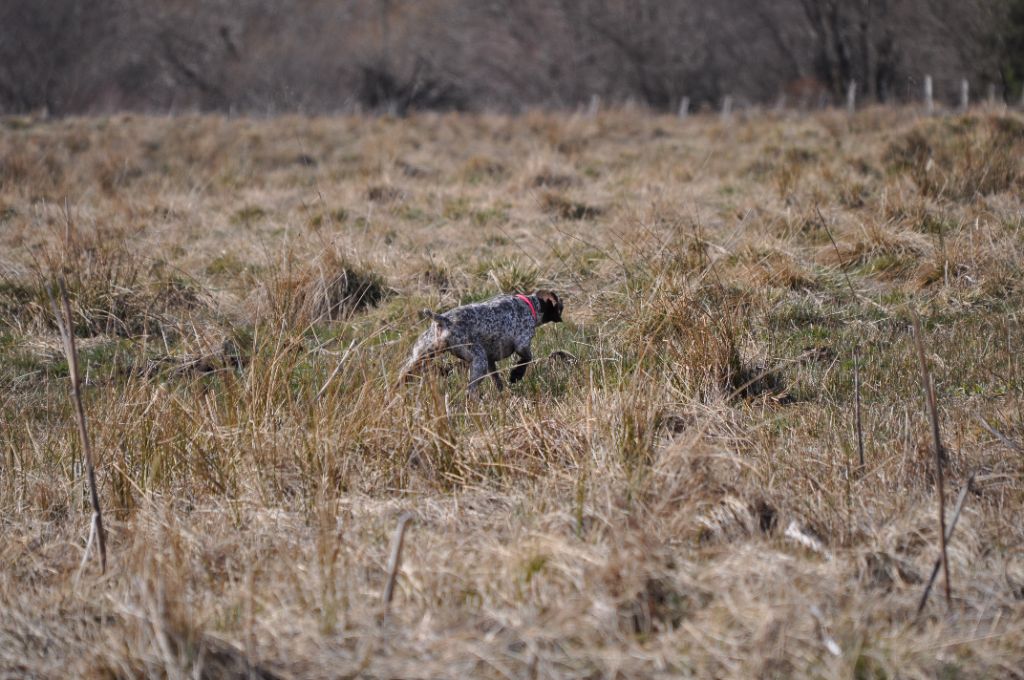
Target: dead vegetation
(961,158)
(673,490)
(328,288)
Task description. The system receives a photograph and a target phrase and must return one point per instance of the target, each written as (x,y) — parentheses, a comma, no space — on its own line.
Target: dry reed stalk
(395,561)
(949,535)
(341,362)
(856,347)
(1009,443)
(929,393)
(63,317)
(857,418)
(839,255)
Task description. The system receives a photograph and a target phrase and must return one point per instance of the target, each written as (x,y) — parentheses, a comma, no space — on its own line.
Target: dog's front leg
(492,370)
(519,370)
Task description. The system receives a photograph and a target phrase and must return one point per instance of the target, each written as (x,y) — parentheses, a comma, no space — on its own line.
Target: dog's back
(498,325)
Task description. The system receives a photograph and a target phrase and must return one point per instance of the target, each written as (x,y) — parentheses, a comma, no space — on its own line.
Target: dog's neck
(533,303)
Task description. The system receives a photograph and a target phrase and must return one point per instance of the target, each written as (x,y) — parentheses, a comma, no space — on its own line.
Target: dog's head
(550,306)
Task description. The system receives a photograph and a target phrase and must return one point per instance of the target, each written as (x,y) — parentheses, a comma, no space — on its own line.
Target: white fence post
(684,107)
(595,105)
(851,97)
(726,108)
(929,102)
(965,94)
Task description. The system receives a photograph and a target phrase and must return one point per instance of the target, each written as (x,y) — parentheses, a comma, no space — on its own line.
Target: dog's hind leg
(477,370)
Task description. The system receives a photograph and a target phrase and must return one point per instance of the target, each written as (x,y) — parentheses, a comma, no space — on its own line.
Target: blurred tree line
(267,56)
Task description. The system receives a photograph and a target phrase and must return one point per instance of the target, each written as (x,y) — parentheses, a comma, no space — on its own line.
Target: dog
(484,333)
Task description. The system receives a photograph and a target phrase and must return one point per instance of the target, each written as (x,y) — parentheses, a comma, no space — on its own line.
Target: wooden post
(991,94)
(595,105)
(929,103)
(726,108)
(851,97)
(965,94)
(684,107)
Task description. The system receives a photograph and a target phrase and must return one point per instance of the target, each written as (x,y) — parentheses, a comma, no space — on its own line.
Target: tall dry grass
(684,498)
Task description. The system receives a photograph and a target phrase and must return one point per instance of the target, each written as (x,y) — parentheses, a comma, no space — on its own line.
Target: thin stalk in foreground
(63,317)
(856,346)
(856,391)
(395,561)
(929,394)
(949,535)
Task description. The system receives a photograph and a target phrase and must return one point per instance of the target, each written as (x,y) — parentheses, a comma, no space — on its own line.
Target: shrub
(962,158)
(111,291)
(332,288)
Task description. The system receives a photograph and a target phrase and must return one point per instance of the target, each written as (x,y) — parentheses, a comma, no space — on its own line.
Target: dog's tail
(440,320)
(429,345)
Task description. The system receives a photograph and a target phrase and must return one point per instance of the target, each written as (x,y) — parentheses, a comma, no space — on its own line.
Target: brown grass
(684,498)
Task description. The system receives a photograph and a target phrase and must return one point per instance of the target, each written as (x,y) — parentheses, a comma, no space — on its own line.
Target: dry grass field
(682,496)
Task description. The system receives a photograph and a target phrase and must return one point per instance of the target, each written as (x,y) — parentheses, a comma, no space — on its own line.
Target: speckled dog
(484,333)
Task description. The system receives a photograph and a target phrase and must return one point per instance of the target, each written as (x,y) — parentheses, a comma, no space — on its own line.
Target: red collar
(528,304)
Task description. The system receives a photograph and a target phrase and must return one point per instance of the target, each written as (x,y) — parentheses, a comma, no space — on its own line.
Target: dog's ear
(550,306)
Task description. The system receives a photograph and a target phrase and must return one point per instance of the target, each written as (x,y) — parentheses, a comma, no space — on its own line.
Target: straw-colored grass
(673,490)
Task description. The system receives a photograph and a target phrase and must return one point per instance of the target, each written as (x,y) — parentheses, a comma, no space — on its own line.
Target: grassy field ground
(682,496)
